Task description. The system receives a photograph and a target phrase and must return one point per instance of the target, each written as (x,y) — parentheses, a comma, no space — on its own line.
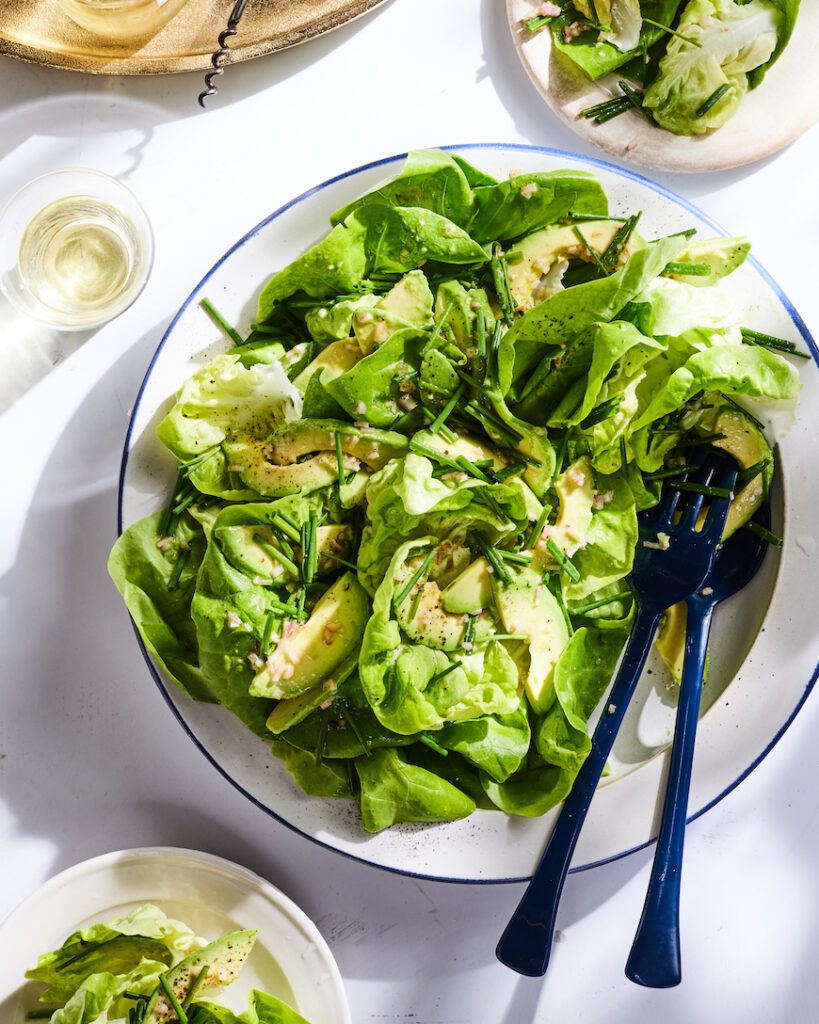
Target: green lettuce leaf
(327,778)
(734,40)
(393,790)
(608,553)
(98,998)
(497,744)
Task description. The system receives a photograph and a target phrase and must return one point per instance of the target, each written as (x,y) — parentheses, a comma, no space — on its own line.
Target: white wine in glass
(121,20)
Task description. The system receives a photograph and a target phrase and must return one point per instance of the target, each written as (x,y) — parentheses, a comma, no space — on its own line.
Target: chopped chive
(447,434)
(623,453)
(592,252)
(757,423)
(508,472)
(404,593)
(751,473)
(537,529)
(601,108)
(507,433)
(300,612)
(679,35)
(439,324)
(664,474)
(444,672)
(563,561)
(289,520)
(428,741)
(194,989)
(615,111)
(321,742)
(688,233)
(768,341)
(771,538)
(635,98)
(619,241)
(178,569)
(494,559)
(509,636)
(480,332)
(709,492)
(602,412)
(501,281)
(312,547)
(285,527)
(713,99)
(593,216)
(351,722)
(468,641)
(335,558)
(220,321)
(267,632)
(601,602)
(136,996)
(476,384)
(40,1014)
(440,419)
(279,556)
(692,442)
(170,995)
(180,507)
(560,455)
(472,470)
(515,557)
(688,269)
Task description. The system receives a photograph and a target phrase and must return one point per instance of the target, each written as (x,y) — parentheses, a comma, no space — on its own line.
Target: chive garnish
(515,557)
(428,741)
(563,561)
(601,602)
(581,217)
(493,558)
(291,522)
(178,569)
(286,527)
(560,454)
(709,492)
(537,529)
(447,434)
(503,430)
(623,453)
(501,281)
(665,474)
(672,32)
(480,332)
(692,442)
(404,593)
(688,233)
(620,240)
(220,321)
(688,269)
(516,469)
(600,108)
(771,538)
(267,632)
(300,612)
(350,720)
(335,558)
(713,99)
(751,473)
(40,1014)
(615,111)
(602,412)
(635,98)
(750,337)
(194,989)
(312,547)
(592,252)
(444,672)
(757,423)
(170,995)
(321,742)
(279,556)
(439,324)
(440,419)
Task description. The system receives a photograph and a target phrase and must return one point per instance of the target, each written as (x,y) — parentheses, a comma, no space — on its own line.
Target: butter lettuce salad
(686,65)
(146,968)
(407,500)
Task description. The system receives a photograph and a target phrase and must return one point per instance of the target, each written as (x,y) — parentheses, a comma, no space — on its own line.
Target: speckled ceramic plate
(770,667)
(213,896)
(42,34)
(771,116)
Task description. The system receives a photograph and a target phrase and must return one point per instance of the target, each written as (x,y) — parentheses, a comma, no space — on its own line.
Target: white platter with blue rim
(764,647)
(213,896)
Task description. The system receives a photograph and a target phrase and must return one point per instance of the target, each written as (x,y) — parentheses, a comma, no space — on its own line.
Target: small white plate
(771,116)
(767,685)
(212,896)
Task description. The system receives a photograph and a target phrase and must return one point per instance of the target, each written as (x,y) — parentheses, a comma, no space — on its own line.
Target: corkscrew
(218,59)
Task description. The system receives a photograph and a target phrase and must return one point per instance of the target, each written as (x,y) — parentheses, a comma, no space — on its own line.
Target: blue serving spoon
(662,575)
(655,959)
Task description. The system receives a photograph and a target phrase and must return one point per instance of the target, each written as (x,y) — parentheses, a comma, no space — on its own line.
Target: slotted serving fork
(672,559)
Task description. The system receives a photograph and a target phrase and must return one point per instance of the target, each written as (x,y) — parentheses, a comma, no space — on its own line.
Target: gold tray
(37,31)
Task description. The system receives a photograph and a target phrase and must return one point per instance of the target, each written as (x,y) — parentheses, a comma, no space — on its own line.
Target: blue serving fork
(654,960)
(672,567)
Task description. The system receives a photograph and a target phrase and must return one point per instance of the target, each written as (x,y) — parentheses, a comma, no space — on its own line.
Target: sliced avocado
(471,591)
(464,445)
(315,649)
(422,617)
(537,264)
(457,307)
(670,640)
(575,491)
(748,445)
(251,548)
(352,491)
(371,446)
(337,358)
(224,959)
(407,304)
(527,606)
(722,255)
(248,459)
(292,710)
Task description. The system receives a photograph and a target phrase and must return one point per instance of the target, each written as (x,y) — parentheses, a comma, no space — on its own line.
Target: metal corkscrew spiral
(218,58)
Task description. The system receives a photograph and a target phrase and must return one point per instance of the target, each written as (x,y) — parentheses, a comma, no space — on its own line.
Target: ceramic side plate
(771,116)
(758,679)
(212,896)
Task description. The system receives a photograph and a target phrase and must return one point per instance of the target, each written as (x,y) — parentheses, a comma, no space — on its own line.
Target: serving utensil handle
(526,944)
(654,960)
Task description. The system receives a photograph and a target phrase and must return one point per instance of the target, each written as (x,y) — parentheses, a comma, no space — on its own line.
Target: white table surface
(90,758)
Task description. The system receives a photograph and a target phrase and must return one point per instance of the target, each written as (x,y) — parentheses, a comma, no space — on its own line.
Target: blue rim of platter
(593,162)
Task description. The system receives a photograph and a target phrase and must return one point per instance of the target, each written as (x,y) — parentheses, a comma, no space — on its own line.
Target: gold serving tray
(39,32)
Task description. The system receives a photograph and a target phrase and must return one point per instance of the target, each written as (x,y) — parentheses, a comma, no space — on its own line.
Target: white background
(90,758)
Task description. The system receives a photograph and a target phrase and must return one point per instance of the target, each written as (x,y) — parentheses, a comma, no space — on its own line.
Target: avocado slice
(470,591)
(575,491)
(528,606)
(722,255)
(337,358)
(315,649)
(224,959)
(464,445)
(423,618)
(373,447)
(458,308)
(247,548)
(248,458)
(537,264)
(670,640)
(745,441)
(407,304)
